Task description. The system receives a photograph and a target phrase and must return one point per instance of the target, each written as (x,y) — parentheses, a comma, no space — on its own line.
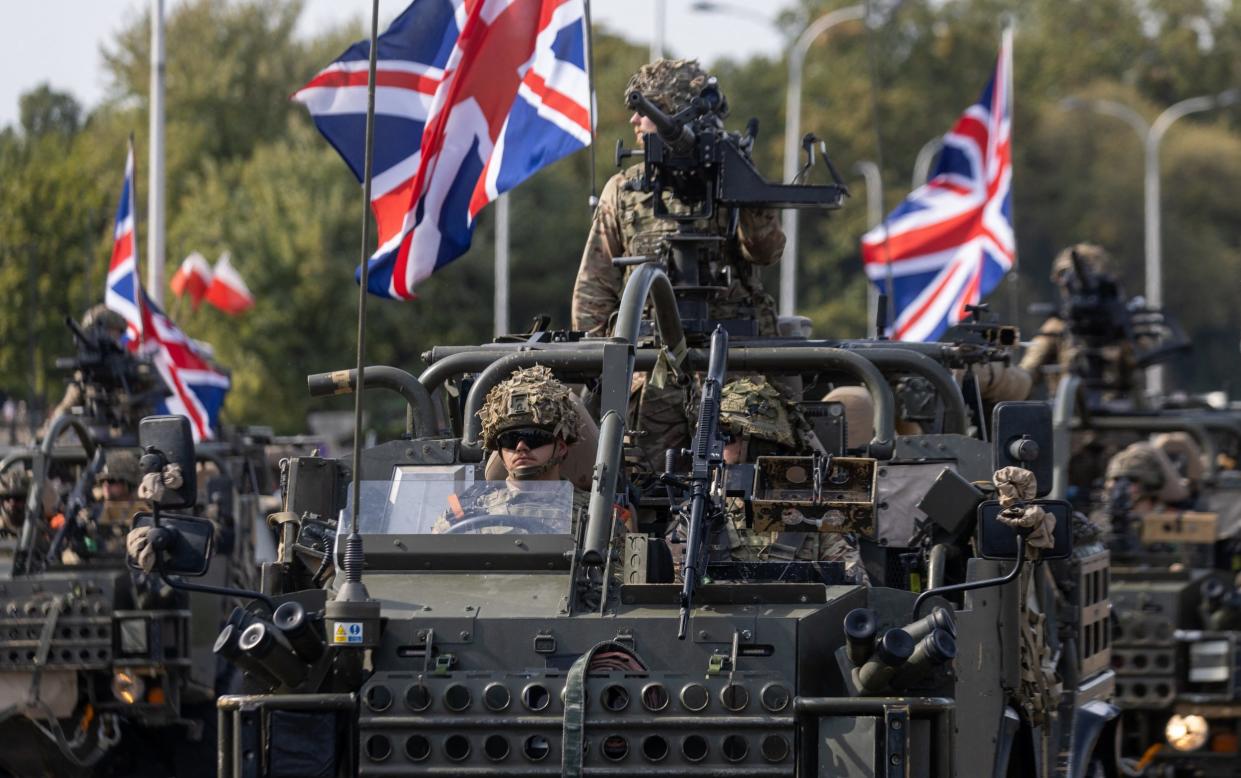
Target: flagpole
(1006,46)
(502,295)
(155,195)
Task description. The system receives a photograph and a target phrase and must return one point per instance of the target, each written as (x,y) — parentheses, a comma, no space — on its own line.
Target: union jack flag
(950,242)
(471,98)
(197,387)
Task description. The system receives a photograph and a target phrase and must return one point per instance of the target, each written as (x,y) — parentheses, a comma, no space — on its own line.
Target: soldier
(1140,480)
(1057,350)
(758,421)
(530,419)
(625,225)
(14,490)
(99,320)
(1186,456)
(119,483)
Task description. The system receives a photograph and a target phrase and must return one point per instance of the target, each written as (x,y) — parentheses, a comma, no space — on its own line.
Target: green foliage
(247,173)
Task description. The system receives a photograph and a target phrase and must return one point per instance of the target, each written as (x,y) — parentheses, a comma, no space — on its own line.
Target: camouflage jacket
(1054,352)
(487,498)
(625,225)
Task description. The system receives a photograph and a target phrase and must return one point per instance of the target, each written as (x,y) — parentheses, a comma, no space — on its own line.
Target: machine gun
(115,385)
(979,339)
(705,168)
(705,474)
(1097,315)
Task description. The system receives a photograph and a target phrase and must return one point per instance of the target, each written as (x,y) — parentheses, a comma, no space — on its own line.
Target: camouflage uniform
(754,409)
(1152,471)
(625,225)
(116,516)
(1053,353)
(490,498)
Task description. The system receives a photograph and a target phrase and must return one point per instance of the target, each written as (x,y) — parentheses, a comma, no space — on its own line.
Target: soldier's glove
(141,548)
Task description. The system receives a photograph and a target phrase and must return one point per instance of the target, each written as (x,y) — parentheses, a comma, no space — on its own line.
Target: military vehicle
(1175,603)
(511,646)
(95,664)
(387,640)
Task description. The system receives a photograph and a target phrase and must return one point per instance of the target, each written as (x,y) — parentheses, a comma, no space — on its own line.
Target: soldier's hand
(140,548)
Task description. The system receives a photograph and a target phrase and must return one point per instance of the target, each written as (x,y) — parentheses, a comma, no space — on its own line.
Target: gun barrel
(678,136)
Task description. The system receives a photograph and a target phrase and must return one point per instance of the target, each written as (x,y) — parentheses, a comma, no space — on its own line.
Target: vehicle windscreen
(446,500)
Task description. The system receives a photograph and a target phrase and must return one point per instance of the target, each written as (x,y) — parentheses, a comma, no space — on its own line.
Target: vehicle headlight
(1186,733)
(127,687)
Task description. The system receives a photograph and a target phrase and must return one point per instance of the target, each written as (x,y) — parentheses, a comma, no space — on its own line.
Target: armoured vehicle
(510,645)
(391,639)
(95,663)
(1174,597)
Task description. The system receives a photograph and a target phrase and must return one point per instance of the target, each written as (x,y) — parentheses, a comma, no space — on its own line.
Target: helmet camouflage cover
(1093,256)
(752,406)
(104,317)
(120,466)
(671,84)
(14,483)
(531,397)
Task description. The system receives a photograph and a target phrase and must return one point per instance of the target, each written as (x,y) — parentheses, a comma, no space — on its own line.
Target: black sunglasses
(534,438)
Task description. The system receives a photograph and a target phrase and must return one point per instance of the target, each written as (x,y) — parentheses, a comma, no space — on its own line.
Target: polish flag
(228,291)
(193,277)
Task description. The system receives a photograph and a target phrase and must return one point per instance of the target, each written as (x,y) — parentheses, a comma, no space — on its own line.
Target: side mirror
(1022,437)
(997,540)
(184,543)
(170,438)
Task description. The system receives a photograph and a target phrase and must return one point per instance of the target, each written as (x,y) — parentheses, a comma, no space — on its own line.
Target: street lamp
(1151,135)
(792,141)
(869,171)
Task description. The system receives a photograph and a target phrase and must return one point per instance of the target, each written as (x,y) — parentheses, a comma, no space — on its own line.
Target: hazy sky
(37,44)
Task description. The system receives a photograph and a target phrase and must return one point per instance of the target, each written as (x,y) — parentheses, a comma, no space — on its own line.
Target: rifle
(705,476)
(76,502)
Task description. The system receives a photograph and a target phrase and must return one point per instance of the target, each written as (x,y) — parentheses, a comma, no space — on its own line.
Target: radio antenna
(352,618)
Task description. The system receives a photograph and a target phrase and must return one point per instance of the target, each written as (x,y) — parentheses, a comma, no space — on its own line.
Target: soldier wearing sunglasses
(531,420)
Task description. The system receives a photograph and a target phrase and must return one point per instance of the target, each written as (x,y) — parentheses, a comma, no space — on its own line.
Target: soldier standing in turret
(1058,349)
(625,225)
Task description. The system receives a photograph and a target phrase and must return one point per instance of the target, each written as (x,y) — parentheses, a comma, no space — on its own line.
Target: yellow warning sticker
(347,632)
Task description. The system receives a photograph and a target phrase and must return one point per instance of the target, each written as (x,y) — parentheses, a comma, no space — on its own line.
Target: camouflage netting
(105,318)
(1184,452)
(752,406)
(1150,467)
(120,466)
(671,84)
(532,397)
(1094,257)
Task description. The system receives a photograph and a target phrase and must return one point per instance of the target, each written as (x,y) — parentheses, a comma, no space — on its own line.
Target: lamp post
(792,141)
(1151,135)
(869,171)
(657,37)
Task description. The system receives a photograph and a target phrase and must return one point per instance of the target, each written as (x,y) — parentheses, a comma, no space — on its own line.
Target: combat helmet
(671,84)
(1093,256)
(1150,468)
(531,397)
(103,317)
(752,407)
(120,465)
(1184,452)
